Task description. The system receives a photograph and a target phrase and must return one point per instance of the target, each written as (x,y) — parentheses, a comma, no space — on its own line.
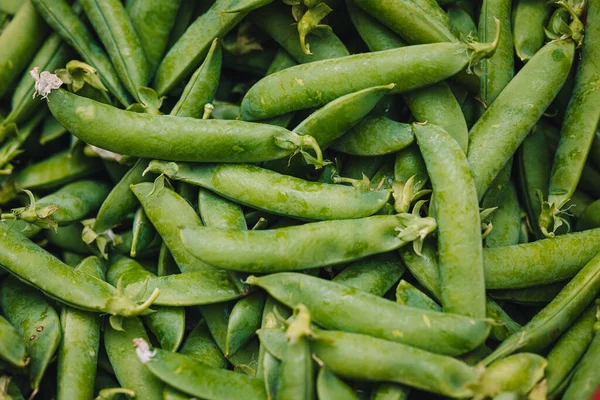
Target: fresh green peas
(585,380)
(528,20)
(516,373)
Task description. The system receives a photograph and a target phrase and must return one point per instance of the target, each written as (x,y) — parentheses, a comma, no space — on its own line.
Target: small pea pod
(375,275)
(409,295)
(78,351)
(529,296)
(12,345)
(68,237)
(390,391)
(19,137)
(506,220)
(36,321)
(143,232)
(590,218)
(516,373)
(375,136)
(375,35)
(586,380)
(193,377)
(244,320)
(462,24)
(528,20)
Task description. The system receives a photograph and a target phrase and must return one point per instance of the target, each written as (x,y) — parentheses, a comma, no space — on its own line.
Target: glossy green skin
(76,200)
(64,21)
(334,119)
(557,316)
(317,83)
(568,350)
(22,258)
(517,108)
(198,379)
(376,36)
(532,295)
(244,320)
(78,351)
(461,22)
(330,386)
(276,20)
(220,213)
(459,227)
(590,218)
(517,373)
(409,295)
(293,248)
(529,18)
(164,136)
(586,379)
(352,310)
(540,262)
(129,370)
(280,194)
(375,275)
(168,211)
(19,42)
(120,39)
(363,357)
(12,345)
(37,322)
(143,232)
(68,237)
(581,118)
(296,377)
(375,136)
(52,55)
(499,69)
(409,162)
(417,23)
(506,220)
(202,86)
(191,48)
(153,21)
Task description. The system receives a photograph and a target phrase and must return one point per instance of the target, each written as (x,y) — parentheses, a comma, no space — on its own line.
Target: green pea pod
(173,138)
(279,194)
(59,15)
(10,7)
(375,136)
(375,275)
(518,107)
(202,86)
(51,130)
(462,24)
(153,21)
(129,370)
(319,82)
(19,41)
(585,381)
(529,296)
(12,345)
(191,48)
(409,295)
(198,379)
(390,391)
(143,232)
(506,220)
(376,36)
(268,365)
(244,320)
(330,242)
(528,21)
(14,146)
(516,373)
(36,321)
(68,237)
(557,316)
(590,218)
(409,162)
(394,321)
(78,351)
(568,350)
(276,20)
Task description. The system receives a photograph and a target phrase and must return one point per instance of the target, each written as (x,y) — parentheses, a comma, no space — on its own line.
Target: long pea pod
(585,380)
(543,294)
(293,196)
(12,345)
(375,275)
(378,317)
(517,107)
(528,19)
(244,320)
(78,351)
(375,35)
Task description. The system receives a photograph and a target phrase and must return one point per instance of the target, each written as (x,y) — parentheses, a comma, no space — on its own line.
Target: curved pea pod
(319,82)
(586,380)
(375,35)
(279,194)
(129,370)
(378,317)
(191,48)
(375,136)
(517,373)
(528,20)
(21,257)
(506,220)
(330,386)
(195,378)
(517,107)
(59,15)
(540,262)
(375,275)
(19,41)
(153,21)
(532,295)
(310,245)
(244,320)
(276,20)
(172,138)
(19,137)
(78,351)
(590,218)
(36,321)
(12,345)
(568,350)
(143,232)
(557,316)
(408,295)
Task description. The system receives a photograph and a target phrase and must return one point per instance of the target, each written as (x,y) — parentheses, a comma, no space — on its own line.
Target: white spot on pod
(44,82)
(142,349)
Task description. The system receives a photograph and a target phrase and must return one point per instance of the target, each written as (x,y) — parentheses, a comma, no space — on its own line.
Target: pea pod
(143,232)
(78,351)
(375,35)
(375,275)
(528,20)
(12,345)
(506,220)
(293,196)
(306,246)
(375,136)
(378,317)
(409,295)
(516,373)
(390,391)
(585,380)
(244,320)
(330,386)
(543,294)
(193,377)
(462,24)
(36,321)
(590,218)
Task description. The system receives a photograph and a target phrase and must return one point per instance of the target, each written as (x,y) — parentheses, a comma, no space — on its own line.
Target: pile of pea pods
(299,199)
